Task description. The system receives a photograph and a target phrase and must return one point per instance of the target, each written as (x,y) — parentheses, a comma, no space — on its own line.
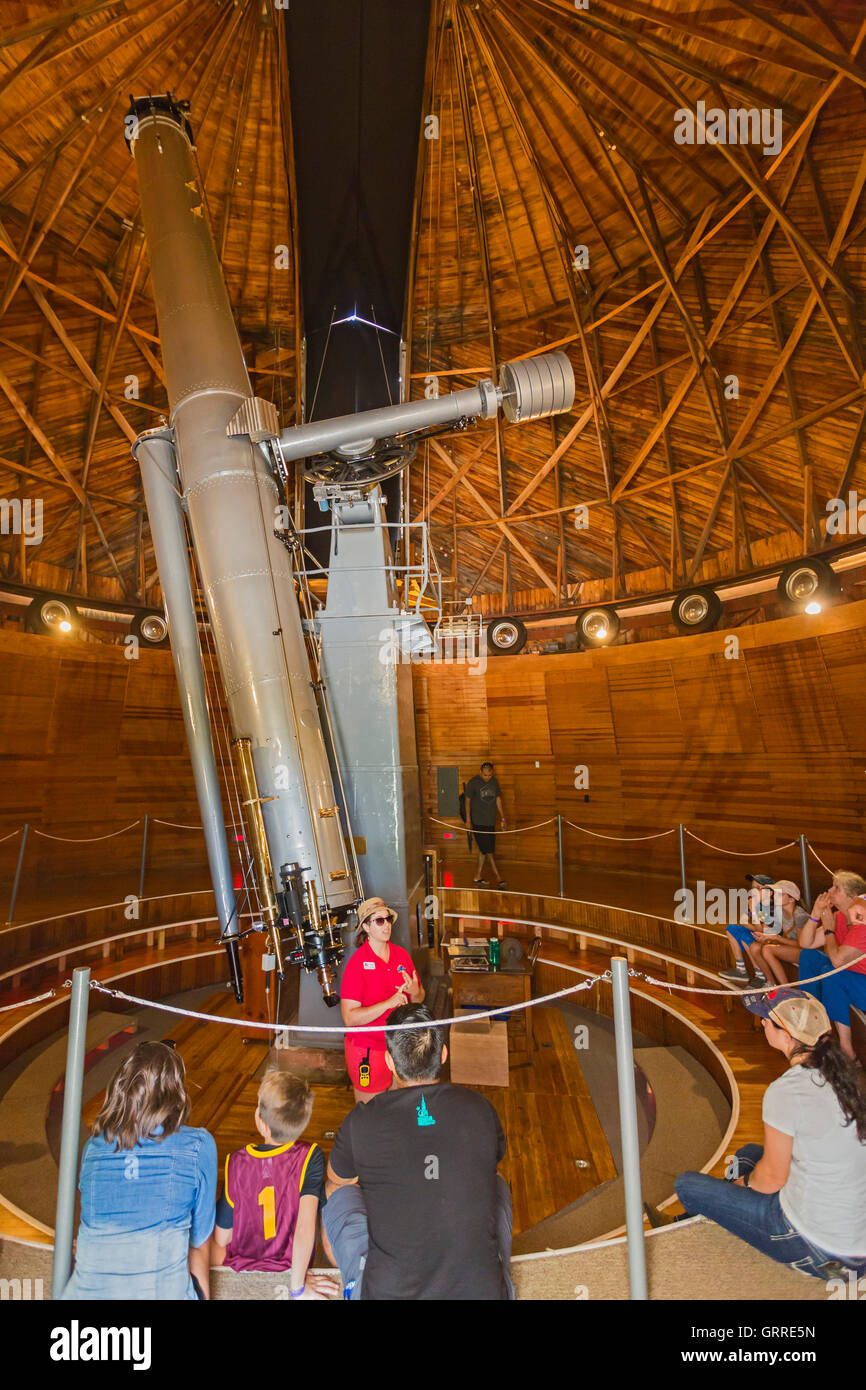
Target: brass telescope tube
(254,827)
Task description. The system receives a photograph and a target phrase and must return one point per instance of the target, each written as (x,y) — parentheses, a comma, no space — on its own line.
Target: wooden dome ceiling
(696,264)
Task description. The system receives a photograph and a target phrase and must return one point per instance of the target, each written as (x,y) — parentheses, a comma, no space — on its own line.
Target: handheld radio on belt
(364,1072)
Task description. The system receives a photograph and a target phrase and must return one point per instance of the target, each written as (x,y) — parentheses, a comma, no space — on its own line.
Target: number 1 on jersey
(269,1211)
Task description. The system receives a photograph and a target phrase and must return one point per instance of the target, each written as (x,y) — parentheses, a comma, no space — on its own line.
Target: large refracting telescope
(217,472)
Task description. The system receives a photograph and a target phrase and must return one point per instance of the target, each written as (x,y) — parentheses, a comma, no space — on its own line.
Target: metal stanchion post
(628,1130)
(70,1132)
(559,853)
(18,869)
(683,883)
(804,870)
(143,856)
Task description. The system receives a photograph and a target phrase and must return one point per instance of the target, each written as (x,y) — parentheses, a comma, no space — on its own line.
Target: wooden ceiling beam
(727,308)
(251,43)
(79,359)
(61,19)
(26,471)
(447,488)
(507,532)
(458,49)
(687,23)
(587,77)
(755,444)
(837,62)
(647,47)
(134,260)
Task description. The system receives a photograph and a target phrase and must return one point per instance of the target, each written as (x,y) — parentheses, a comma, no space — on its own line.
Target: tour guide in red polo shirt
(378,978)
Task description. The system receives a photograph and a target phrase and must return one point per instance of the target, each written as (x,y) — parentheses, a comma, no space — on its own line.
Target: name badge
(369,965)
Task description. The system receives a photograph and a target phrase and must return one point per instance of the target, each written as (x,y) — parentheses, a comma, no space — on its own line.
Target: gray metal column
(232,497)
(628,1130)
(18,868)
(154,453)
(369,690)
(70,1132)
(683,883)
(804,870)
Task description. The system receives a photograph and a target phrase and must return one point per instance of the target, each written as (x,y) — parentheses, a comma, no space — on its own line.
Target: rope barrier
(328,1028)
(86,839)
(753,854)
(731,991)
(175,825)
(37,999)
(11,835)
(819,859)
(622,838)
(519,830)
(664,984)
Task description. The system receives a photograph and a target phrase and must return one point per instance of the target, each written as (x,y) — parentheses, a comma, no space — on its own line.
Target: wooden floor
(547,1113)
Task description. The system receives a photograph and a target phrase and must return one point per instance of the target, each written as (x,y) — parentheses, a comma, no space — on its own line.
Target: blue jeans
(839,992)
(756,1217)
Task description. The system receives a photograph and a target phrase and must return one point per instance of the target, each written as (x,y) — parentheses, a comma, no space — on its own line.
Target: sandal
(480,881)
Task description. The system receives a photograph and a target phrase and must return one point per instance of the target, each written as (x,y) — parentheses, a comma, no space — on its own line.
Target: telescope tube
(231,498)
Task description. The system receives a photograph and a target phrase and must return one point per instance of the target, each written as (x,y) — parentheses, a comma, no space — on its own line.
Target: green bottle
(493,952)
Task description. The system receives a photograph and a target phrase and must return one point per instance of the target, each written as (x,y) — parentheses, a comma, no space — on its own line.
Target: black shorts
(485,838)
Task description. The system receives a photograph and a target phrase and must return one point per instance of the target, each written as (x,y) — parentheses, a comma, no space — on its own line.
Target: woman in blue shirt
(148,1188)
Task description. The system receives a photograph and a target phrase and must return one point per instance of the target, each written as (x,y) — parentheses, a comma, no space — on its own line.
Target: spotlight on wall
(506,635)
(696,610)
(151,629)
(51,614)
(597,627)
(805,585)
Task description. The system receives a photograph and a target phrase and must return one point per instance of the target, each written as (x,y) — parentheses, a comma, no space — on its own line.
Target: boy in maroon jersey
(266,1216)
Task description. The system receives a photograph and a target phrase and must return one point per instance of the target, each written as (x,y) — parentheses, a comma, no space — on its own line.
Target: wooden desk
(487,990)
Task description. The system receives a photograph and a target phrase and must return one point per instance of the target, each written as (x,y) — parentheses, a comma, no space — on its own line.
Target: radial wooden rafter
(755,265)
(78,338)
(555,132)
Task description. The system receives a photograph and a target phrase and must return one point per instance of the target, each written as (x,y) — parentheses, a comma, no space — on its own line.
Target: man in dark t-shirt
(483,799)
(416,1208)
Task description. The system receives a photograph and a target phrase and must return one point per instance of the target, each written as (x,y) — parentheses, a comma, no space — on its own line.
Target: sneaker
(480,882)
(736,973)
(502,883)
(760,978)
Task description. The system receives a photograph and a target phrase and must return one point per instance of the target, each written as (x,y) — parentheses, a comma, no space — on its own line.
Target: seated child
(266,1216)
(757,922)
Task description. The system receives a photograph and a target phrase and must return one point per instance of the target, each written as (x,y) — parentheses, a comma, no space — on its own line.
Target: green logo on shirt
(424,1116)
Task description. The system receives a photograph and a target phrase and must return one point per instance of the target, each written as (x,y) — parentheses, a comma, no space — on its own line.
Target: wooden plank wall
(747,750)
(89,742)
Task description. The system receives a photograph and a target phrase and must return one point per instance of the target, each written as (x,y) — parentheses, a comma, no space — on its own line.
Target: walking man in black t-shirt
(483,799)
(415,1207)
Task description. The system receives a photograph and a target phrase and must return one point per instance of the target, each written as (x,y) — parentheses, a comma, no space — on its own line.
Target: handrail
(89,945)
